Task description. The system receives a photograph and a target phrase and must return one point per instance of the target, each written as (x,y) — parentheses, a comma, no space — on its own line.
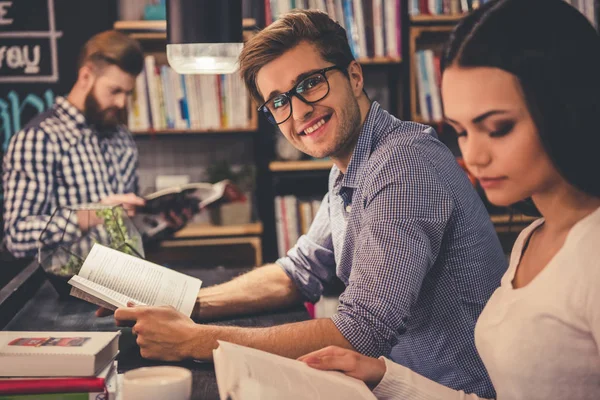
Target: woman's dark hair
(554,52)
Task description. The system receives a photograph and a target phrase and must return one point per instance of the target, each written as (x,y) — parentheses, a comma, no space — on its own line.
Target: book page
(292,379)
(99,295)
(140,280)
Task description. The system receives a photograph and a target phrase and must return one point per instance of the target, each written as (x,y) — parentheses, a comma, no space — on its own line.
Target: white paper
(140,280)
(101,292)
(268,375)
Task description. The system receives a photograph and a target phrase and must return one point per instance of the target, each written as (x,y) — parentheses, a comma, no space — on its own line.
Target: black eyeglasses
(311,89)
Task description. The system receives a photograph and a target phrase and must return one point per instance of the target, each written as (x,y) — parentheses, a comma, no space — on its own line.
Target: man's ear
(86,76)
(355,75)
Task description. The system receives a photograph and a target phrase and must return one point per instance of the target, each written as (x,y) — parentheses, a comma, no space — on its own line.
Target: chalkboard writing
(28,50)
(14,110)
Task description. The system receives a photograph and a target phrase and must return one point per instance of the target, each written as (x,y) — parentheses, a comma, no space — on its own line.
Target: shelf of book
(425,46)
(160,26)
(380,60)
(515,219)
(307,165)
(194,230)
(427,18)
(421,120)
(247,129)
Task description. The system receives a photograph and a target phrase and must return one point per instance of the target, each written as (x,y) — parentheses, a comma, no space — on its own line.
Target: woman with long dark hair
(521,86)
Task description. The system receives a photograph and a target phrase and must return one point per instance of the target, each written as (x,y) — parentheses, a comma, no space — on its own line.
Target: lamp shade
(204,36)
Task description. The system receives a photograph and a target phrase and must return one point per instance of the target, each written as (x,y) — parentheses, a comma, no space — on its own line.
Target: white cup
(162,382)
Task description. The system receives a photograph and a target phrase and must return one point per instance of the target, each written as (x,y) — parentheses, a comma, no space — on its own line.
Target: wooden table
(45,311)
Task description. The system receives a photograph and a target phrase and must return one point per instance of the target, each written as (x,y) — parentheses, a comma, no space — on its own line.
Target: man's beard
(105,120)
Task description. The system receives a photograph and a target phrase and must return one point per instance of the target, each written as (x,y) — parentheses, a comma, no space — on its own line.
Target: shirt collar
(69,111)
(362,150)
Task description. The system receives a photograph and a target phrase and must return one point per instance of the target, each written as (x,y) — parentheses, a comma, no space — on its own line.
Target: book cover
(39,385)
(152,219)
(28,354)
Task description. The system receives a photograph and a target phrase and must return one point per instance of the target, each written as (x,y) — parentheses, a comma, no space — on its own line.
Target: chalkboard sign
(29,41)
(40,41)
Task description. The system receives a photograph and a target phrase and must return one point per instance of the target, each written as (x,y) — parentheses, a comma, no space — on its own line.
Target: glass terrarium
(63,245)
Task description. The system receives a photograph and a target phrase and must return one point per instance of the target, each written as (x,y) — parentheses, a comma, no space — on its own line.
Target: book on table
(102,386)
(111,279)
(244,373)
(39,354)
(152,220)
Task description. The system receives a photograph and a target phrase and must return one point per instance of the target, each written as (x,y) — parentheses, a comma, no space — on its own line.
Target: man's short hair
(113,48)
(314,27)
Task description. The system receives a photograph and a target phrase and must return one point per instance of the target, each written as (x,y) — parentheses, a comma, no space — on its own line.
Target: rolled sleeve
(403,226)
(311,262)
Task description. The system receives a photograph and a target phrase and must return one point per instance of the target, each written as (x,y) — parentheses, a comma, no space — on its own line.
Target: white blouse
(540,341)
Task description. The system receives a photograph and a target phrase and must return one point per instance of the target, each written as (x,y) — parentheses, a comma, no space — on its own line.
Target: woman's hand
(367,369)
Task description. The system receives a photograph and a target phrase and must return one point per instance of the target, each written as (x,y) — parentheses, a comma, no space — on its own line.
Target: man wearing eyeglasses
(401,226)
(77,152)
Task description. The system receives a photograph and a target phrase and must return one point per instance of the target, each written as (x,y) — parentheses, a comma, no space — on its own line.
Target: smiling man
(401,226)
(76,152)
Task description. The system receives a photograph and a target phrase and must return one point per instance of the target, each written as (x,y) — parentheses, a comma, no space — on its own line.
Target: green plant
(242,176)
(72,266)
(115,227)
(113,222)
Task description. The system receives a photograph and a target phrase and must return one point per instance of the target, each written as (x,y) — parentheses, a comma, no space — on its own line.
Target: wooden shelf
(436,18)
(420,120)
(218,231)
(380,60)
(517,219)
(197,235)
(248,129)
(280,166)
(157,30)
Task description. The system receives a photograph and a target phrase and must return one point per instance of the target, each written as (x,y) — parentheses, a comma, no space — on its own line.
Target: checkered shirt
(59,160)
(412,241)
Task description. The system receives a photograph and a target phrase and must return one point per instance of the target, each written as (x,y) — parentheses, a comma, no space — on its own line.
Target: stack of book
(58,365)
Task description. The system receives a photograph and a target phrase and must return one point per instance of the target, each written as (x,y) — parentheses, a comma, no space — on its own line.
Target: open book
(151,219)
(110,279)
(244,373)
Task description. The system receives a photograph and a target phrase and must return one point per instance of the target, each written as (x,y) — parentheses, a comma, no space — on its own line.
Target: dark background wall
(30,76)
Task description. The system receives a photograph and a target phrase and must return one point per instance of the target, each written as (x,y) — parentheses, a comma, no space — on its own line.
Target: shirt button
(348,209)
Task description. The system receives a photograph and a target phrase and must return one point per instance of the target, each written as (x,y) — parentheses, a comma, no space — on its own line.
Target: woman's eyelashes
(502,130)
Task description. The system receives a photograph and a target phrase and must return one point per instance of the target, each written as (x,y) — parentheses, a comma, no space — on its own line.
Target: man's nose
(120,101)
(300,110)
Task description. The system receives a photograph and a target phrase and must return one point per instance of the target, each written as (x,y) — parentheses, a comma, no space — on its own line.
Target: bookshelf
(197,93)
(189,240)
(425,37)
(198,235)
(157,30)
(304,165)
(426,18)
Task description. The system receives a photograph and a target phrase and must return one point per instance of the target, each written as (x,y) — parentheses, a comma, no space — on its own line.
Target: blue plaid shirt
(413,243)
